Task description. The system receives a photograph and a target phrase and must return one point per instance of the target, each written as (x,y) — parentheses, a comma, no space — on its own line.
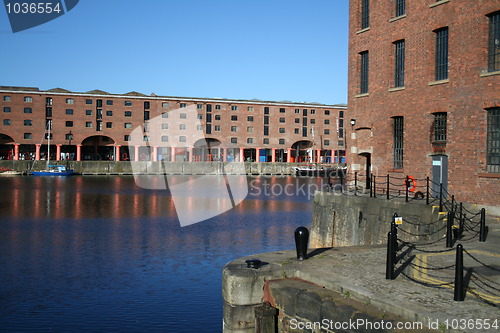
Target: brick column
(117,153)
(172,154)
(289,155)
(37,152)
(136,153)
(78,152)
(273,155)
(190,152)
(257,154)
(155,154)
(16,152)
(58,152)
(333,156)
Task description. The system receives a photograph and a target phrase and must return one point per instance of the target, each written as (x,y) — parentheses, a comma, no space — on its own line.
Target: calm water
(100,254)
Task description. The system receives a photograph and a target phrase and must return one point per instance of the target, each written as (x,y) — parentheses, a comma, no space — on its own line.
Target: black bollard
(301,242)
(482,227)
(449,231)
(459,289)
(389,268)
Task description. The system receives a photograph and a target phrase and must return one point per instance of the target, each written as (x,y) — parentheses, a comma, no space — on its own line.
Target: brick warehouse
(97,125)
(424,93)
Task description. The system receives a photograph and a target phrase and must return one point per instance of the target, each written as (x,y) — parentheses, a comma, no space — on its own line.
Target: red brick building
(97,125)
(424,93)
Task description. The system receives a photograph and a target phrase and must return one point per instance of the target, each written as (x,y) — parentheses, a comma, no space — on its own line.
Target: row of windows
(182,138)
(147,105)
(441,56)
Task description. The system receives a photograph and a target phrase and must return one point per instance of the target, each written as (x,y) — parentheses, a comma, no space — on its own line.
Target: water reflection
(101,254)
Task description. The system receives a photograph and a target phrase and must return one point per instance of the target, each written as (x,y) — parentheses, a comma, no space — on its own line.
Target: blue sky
(265,49)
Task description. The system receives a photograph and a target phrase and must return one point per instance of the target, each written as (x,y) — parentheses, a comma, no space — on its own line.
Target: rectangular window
(28,99)
(250,118)
(494,43)
(99,103)
(327,112)
(127,103)
(234,118)
(164,105)
(327,132)
(147,105)
(200,116)
(88,101)
(28,110)
(313,121)
(281,141)
(208,129)
(296,131)
(164,115)
(249,129)
(128,125)
(6,122)
(6,99)
(440,127)
(251,108)
(98,126)
(234,107)
(217,107)
(282,120)
(493,141)
(146,138)
(199,127)
(297,120)
(365,14)
(234,140)
(88,112)
(68,137)
(399,63)
(341,114)
(128,113)
(266,120)
(199,106)
(266,110)
(441,65)
(182,138)
(326,142)
(109,113)
(27,136)
(297,110)
(70,101)
(217,128)
(69,124)
(6,109)
(109,124)
(265,141)
(147,115)
(327,121)
(69,111)
(234,128)
(400,8)
(126,137)
(109,102)
(250,140)
(163,126)
(48,112)
(48,101)
(398,142)
(313,111)
(363,79)
(266,130)
(282,130)
(182,126)
(88,124)
(28,122)
(217,117)
(282,110)
(183,115)
(164,138)
(98,114)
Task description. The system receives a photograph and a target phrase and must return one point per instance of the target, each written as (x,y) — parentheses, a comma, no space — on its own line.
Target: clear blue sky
(266,49)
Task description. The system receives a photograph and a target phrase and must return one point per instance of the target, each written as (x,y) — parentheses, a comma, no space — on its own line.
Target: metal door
(439,175)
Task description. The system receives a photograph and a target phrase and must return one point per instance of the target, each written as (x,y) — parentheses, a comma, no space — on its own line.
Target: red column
(273,155)
(37,152)
(289,155)
(333,155)
(58,152)
(16,151)
(257,154)
(117,153)
(242,157)
(136,153)
(190,152)
(224,159)
(318,155)
(78,152)
(155,154)
(172,154)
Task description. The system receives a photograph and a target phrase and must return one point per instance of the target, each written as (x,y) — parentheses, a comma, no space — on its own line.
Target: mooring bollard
(265,318)
(301,242)
(391,255)
(449,231)
(459,290)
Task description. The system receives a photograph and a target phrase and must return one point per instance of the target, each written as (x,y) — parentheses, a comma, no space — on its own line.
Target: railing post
(389,268)
(388,180)
(407,184)
(483,229)
(449,231)
(374,186)
(440,197)
(356,183)
(459,290)
(371,185)
(461,221)
(427,200)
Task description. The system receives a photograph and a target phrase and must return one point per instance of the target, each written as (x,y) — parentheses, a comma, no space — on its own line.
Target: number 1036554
(472,324)
(33,8)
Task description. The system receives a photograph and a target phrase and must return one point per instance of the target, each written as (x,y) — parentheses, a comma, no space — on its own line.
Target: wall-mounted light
(353,122)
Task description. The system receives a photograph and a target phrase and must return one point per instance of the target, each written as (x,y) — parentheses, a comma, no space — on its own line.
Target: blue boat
(54,170)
